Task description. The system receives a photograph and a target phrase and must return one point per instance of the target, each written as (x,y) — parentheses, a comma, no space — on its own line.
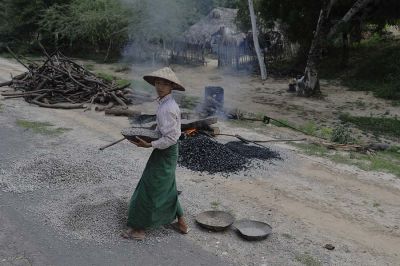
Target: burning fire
(190,132)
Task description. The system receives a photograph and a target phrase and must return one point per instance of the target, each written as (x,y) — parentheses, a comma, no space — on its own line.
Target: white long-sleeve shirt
(168,123)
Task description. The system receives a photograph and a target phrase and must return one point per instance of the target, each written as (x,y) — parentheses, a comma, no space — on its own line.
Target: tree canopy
(93,24)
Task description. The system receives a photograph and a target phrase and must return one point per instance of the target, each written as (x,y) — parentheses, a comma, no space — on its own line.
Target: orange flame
(191,132)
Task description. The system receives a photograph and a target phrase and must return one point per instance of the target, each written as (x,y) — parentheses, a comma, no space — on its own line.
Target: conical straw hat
(167,74)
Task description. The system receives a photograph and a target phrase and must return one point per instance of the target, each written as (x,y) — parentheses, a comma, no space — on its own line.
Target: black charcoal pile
(200,153)
(252,151)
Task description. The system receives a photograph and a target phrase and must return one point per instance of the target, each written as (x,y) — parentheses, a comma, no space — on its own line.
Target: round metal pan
(253,230)
(215,220)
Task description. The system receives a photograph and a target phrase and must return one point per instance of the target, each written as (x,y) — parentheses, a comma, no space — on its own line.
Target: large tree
(310,82)
(314,23)
(19,19)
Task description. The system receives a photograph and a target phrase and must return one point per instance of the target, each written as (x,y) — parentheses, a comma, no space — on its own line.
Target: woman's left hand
(141,143)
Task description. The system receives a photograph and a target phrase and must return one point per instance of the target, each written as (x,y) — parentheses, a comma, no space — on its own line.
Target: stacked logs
(61,83)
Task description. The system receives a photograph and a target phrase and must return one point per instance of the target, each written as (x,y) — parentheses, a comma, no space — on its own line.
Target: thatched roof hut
(208,27)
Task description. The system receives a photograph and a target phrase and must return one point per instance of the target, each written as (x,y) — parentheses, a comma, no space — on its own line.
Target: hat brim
(152,80)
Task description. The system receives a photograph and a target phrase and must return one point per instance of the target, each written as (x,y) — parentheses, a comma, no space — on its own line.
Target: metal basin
(143,133)
(253,230)
(215,220)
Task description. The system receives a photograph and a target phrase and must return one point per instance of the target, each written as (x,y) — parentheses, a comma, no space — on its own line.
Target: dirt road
(309,201)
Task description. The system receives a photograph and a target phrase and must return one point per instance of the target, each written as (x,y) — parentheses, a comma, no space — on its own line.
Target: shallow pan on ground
(253,230)
(143,133)
(215,220)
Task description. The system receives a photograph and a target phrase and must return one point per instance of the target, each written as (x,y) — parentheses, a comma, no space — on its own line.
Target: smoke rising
(156,24)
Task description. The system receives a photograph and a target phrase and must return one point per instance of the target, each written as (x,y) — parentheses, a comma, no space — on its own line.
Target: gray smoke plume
(156,23)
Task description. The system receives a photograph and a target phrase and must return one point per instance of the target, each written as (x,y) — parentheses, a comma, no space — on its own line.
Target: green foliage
(112,78)
(386,161)
(378,70)
(90,24)
(89,67)
(312,149)
(298,20)
(376,125)
(215,205)
(293,14)
(373,66)
(326,132)
(19,21)
(342,134)
(106,76)
(310,128)
(308,260)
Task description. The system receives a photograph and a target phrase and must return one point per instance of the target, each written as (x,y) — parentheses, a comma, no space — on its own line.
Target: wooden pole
(111,144)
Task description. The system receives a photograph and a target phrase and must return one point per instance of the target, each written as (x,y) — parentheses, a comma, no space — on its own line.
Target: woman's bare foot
(133,234)
(182,226)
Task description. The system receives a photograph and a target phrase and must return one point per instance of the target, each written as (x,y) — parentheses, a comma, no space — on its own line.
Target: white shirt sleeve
(170,130)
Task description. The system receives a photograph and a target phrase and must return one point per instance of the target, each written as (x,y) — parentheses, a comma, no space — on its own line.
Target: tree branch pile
(61,83)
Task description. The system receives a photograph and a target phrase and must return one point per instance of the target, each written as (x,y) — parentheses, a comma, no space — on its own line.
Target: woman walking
(155,200)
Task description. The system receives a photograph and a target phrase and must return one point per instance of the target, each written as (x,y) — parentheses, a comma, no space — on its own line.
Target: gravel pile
(251,151)
(200,153)
(67,167)
(97,213)
(108,217)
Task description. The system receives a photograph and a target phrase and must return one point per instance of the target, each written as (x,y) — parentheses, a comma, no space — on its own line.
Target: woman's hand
(141,143)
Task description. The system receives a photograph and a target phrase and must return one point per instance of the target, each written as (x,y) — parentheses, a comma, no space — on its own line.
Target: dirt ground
(309,201)
(248,93)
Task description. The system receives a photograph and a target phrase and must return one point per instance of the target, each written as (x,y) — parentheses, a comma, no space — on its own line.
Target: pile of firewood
(61,83)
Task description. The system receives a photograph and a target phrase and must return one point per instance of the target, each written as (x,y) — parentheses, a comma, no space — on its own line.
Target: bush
(342,134)
(90,24)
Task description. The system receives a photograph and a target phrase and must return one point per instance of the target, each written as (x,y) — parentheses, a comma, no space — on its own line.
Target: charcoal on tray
(143,133)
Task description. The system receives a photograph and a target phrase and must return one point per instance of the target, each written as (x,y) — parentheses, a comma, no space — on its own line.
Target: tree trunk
(310,84)
(355,9)
(263,68)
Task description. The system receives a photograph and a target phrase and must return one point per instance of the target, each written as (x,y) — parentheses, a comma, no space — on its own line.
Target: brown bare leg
(183,227)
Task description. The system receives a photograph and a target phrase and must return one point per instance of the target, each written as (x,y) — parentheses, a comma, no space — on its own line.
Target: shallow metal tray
(143,133)
(215,220)
(253,230)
